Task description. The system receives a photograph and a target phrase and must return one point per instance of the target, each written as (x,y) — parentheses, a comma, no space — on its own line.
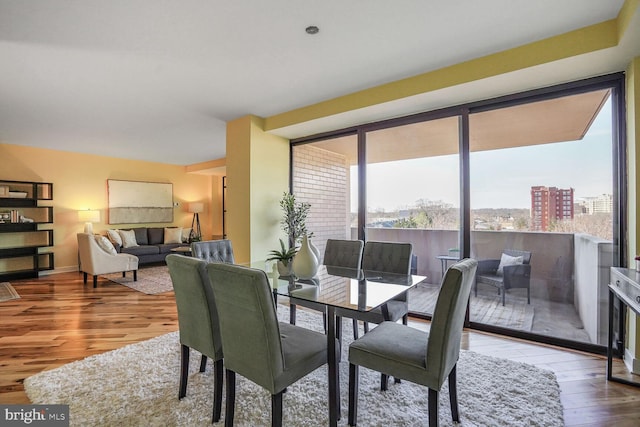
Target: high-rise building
(548,205)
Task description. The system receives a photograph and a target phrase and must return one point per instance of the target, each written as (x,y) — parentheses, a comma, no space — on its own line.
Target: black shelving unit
(22,238)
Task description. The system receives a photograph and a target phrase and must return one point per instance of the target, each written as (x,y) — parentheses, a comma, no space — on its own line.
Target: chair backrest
(388,257)
(526,256)
(448,319)
(343,253)
(197,313)
(248,323)
(213,251)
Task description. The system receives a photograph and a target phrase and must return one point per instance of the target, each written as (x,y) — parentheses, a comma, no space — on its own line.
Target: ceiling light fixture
(312,29)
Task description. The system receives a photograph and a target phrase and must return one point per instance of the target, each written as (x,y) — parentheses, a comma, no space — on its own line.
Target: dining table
(344,288)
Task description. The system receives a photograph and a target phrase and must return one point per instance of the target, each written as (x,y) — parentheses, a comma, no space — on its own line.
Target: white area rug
(137,385)
(7,292)
(151,280)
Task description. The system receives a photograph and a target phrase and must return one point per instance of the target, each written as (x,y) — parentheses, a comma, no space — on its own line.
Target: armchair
(517,275)
(96,261)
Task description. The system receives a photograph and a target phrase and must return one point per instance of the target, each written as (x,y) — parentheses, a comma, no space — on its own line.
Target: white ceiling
(157,79)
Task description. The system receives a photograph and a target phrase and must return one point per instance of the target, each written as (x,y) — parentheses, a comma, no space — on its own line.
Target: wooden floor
(58,320)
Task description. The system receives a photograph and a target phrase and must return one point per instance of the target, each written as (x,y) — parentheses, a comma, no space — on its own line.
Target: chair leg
(84,277)
(453,395)
(353,393)
(504,292)
(292,314)
(217,390)
(184,371)
(135,275)
(405,319)
(355,329)
(324,321)
(433,408)
(231,398)
(528,295)
(203,363)
(124,274)
(366,327)
(384,382)
(95,281)
(276,410)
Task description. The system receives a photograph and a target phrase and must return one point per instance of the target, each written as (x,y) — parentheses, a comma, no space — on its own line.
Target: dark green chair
(383,257)
(197,321)
(272,354)
(420,357)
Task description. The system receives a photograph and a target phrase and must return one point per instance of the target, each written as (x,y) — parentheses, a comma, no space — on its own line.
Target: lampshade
(89,217)
(196,207)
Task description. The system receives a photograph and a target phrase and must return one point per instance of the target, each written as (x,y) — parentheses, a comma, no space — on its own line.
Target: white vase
(315,250)
(305,263)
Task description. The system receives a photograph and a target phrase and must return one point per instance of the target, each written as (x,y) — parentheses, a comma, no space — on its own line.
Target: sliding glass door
(413,195)
(528,184)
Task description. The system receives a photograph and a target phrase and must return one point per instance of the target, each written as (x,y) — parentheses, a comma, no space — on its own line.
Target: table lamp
(195,208)
(89,216)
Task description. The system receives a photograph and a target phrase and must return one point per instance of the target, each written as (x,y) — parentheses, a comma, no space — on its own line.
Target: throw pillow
(106,245)
(506,260)
(128,238)
(173,235)
(114,236)
(186,235)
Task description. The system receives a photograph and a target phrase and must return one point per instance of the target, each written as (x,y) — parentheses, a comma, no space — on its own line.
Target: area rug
(7,292)
(151,280)
(137,385)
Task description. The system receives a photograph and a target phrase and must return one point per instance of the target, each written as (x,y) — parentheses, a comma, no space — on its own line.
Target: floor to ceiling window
(539,172)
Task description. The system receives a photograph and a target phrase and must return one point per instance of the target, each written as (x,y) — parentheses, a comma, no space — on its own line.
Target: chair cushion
(106,245)
(490,279)
(506,260)
(394,349)
(303,350)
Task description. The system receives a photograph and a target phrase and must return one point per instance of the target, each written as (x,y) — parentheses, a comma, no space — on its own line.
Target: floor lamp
(195,208)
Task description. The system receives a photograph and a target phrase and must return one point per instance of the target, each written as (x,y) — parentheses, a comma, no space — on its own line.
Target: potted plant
(284,257)
(293,223)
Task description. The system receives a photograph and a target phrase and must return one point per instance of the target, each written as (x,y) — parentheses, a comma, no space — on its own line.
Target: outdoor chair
(425,358)
(512,270)
(197,322)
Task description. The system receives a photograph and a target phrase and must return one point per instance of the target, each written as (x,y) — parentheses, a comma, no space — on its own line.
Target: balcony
(569,278)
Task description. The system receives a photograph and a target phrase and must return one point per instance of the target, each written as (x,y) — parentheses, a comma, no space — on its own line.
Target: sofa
(149,245)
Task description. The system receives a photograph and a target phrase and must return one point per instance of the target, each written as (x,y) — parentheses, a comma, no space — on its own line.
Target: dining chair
(197,322)
(213,250)
(269,353)
(383,257)
(425,358)
(337,253)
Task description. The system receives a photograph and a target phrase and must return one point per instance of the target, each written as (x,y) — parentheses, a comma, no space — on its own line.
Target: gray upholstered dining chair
(384,257)
(337,253)
(273,355)
(213,251)
(423,358)
(197,322)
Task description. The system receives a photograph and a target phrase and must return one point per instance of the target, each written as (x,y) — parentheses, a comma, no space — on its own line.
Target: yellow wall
(80,182)
(257,175)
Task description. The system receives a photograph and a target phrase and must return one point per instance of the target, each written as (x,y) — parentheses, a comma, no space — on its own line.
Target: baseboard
(69,269)
(632,363)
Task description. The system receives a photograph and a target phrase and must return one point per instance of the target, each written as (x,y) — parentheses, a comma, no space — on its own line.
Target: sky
(585,165)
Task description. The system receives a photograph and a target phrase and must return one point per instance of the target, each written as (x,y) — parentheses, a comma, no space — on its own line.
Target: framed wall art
(136,202)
